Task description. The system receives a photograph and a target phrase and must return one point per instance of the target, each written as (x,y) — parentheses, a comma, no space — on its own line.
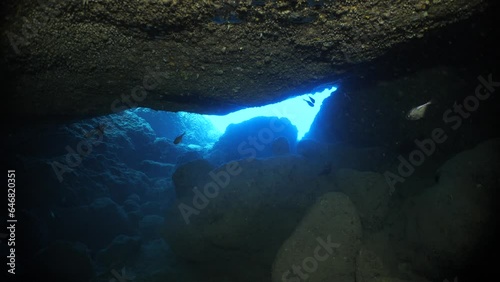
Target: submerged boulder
(190,175)
(375,263)
(253,139)
(369,192)
(451,222)
(243,213)
(324,245)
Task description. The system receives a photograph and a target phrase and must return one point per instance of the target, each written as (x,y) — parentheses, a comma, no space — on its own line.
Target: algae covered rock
(369,266)
(369,192)
(189,175)
(451,221)
(253,138)
(243,213)
(324,245)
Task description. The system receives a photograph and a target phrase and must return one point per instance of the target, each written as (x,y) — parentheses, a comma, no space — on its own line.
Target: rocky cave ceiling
(90,57)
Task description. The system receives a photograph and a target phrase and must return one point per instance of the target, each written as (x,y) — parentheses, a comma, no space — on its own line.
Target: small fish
(312,100)
(178,139)
(309,103)
(418,112)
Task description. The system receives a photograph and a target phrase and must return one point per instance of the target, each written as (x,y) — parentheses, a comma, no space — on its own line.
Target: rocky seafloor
(135,206)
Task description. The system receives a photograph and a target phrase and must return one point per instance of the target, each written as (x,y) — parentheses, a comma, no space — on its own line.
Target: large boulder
(452,222)
(280,146)
(369,192)
(190,175)
(372,266)
(369,266)
(243,213)
(253,139)
(324,245)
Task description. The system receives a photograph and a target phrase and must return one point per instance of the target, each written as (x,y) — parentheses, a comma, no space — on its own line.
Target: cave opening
(300,110)
(203,131)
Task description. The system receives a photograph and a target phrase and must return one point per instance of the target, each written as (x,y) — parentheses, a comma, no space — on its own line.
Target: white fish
(418,112)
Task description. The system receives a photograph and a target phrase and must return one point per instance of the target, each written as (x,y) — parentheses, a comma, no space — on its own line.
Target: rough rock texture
(78,57)
(369,192)
(157,169)
(280,146)
(369,266)
(252,139)
(238,230)
(127,159)
(372,267)
(190,175)
(450,223)
(324,245)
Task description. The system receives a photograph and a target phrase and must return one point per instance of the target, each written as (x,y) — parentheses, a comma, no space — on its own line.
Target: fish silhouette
(178,139)
(309,102)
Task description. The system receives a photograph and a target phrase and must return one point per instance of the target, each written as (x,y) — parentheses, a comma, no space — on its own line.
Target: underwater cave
(245,141)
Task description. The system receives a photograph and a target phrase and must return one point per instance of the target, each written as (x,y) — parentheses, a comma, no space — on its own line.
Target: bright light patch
(295,109)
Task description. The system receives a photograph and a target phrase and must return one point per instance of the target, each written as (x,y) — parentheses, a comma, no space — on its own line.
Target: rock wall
(99,57)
